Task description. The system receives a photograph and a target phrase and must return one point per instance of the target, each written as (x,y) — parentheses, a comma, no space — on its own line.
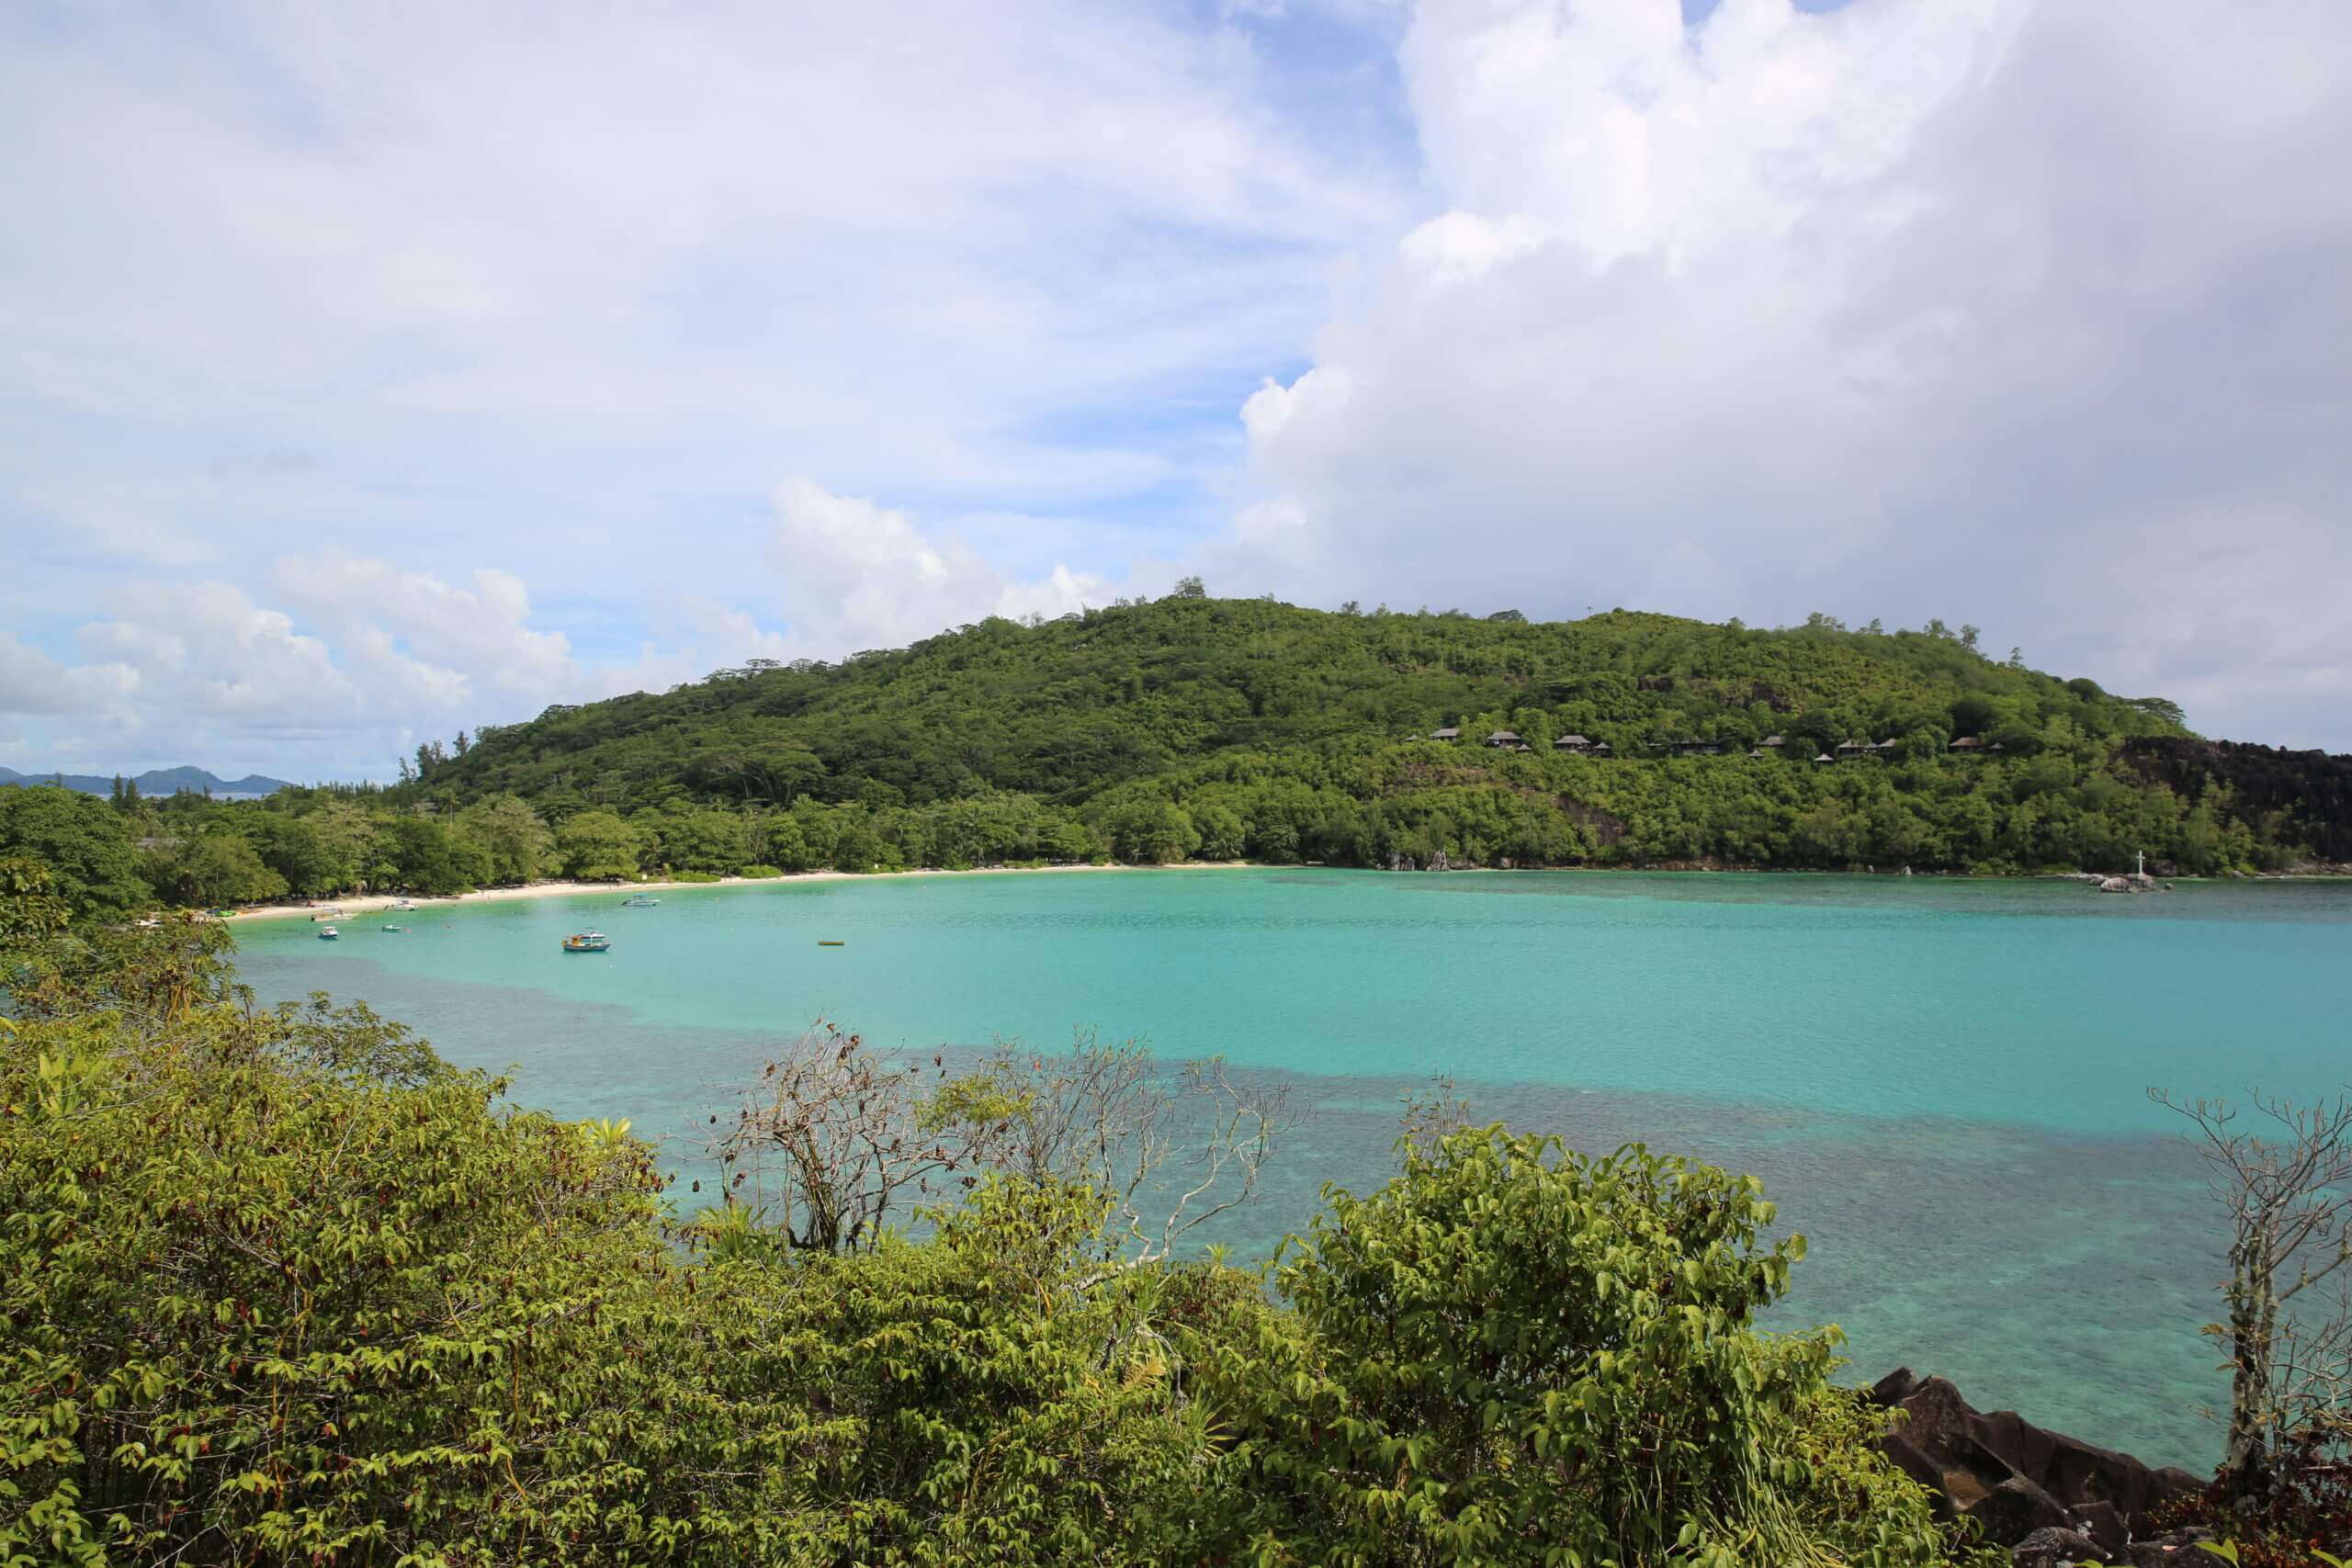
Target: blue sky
(374,371)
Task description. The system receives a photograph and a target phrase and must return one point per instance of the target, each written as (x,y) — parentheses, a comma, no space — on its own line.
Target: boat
(396,928)
(587,942)
(822,943)
(328,933)
(639,901)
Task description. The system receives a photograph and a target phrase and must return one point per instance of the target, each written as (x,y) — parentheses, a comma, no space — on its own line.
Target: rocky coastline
(2050,1498)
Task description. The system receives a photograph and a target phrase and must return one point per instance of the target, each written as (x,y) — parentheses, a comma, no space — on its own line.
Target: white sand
(352,905)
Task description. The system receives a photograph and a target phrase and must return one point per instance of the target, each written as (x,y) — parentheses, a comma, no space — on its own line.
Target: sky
(369,372)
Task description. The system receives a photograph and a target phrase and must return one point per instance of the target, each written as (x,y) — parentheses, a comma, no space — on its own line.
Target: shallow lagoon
(1940,1081)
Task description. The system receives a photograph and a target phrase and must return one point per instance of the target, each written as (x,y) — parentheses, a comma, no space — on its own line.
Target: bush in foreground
(282,1287)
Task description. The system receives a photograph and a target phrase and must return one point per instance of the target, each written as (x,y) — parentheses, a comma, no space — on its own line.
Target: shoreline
(356,905)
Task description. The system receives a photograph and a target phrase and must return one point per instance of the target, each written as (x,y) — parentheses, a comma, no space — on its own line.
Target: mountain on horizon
(156,781)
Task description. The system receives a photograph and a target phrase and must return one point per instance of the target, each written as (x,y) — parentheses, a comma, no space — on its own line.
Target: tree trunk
(2254,1323)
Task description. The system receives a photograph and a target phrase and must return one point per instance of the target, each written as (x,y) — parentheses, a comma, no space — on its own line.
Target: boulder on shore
(2026,1486)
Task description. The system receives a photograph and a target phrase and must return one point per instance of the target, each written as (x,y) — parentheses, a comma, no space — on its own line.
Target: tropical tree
(598,846)
(87,845)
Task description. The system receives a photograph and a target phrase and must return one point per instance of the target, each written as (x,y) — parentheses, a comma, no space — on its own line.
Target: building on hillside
(1850,750)
(1755,755)
(1570,743)
(1773,742)
(1825,756)
(1885,747)
(1967,743)
(1448,733)
(1503,739)
(1602,749)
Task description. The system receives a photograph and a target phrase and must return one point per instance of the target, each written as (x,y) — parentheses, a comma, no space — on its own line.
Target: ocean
(1942,1082)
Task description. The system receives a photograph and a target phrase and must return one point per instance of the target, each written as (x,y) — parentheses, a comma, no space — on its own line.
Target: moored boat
(587,942)
(639,901)
(328,933)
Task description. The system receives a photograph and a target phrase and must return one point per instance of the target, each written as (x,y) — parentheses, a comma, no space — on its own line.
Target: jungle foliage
(280,1287)
(1208,729)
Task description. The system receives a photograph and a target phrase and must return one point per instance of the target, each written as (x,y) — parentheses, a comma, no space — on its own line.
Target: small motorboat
(587,942)
(396,928)
(328,933)
(639,901)
(822,943)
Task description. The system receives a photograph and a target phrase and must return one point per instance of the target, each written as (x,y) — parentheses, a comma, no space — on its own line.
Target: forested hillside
(1222,730)
(1069,708)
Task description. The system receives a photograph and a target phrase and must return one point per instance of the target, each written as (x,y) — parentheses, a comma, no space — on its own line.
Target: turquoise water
(1941,1082)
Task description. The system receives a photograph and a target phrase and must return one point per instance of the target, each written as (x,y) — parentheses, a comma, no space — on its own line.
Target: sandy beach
(359,903)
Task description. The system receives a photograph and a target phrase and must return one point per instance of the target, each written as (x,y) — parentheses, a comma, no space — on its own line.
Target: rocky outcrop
(2313,787)
(2050,1498)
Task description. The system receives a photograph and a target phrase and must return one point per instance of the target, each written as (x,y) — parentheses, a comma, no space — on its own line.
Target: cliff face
(2313,788)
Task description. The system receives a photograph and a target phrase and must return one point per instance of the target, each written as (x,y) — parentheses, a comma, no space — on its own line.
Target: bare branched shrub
(1431,1113)
(837,1143)
(1169,1147)
(832,1143)
(2287,1191)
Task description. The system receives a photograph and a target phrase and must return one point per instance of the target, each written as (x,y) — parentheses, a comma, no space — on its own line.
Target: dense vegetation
(1225,729)
(282,1287)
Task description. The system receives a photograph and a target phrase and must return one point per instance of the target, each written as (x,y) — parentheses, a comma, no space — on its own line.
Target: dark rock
(1939,1418)
(1975,1456)
(2172,1551)
(1913,1463)
(2052,1547)
(1894,1388)
(2015,1510)
(2099,1520)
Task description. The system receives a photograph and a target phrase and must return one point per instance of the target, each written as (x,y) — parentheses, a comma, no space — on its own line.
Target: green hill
(155,781)
(1251,728)
(1227,730)
(1070,708)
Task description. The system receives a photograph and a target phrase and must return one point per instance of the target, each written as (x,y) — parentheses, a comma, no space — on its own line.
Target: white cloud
(858,575)
(31,682)
(445,645)
(561,293)
(322,331)
(2024,312)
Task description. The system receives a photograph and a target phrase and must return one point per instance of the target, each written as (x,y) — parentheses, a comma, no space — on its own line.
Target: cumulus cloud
(550,295)
(32,683)
(438,645)
(2025,313)
(858,575)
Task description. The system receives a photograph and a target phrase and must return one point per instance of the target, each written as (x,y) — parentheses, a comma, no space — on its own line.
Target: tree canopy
(283,1287)
(1219,729)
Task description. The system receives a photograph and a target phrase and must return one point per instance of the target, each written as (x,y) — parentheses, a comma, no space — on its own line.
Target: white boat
(328,933)
(587,942)
(639,901)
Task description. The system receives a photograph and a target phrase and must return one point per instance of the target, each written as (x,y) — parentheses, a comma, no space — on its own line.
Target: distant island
(157,781)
